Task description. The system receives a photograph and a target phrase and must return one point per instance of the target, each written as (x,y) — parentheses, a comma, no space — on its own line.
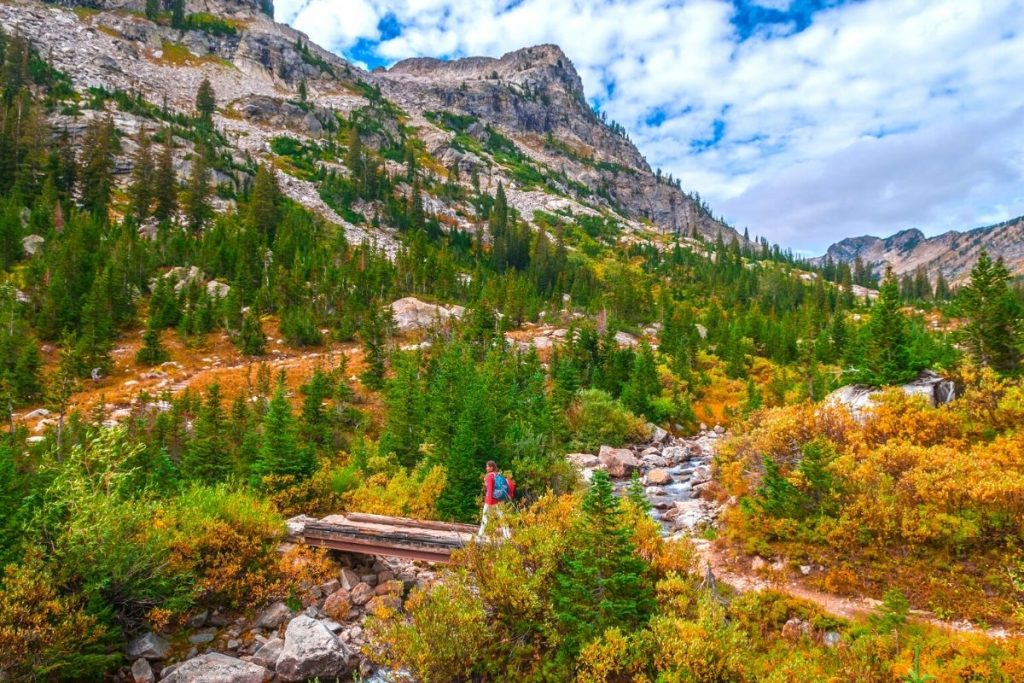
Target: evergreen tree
(888,353)
(264,204)
(207,457)
(375,332)
(994,332)
(206,101)
(643,383)
(99,146)
(280,454)
(177,14)
(403,426)
(152,9)
(197,199)
(153,351)
(165,181)
(601,582)
(474,444)
(142,176)
(316,423)
(251,340)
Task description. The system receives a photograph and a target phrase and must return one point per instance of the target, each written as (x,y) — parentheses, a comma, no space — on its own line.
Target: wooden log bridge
(389,536)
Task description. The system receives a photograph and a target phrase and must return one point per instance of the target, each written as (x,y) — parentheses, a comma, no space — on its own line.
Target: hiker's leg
(499,514)
(483,521)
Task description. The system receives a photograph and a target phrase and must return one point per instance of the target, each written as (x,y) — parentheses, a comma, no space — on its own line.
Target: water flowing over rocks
(675,472)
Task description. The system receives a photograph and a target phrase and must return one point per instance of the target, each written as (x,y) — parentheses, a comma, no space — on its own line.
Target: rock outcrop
(859,399)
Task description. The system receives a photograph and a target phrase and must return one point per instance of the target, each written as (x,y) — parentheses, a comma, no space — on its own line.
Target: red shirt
(489,489)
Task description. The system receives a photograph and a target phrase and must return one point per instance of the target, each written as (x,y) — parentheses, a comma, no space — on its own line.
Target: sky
(804,120)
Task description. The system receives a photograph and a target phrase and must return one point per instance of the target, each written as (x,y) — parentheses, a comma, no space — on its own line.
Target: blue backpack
(500,487)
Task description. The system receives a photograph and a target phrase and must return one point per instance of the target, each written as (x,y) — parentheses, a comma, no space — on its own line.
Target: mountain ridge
(567,158)
(951,253)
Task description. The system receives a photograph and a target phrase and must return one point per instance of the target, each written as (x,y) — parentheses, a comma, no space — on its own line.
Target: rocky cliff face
(528,124)
(953,253)
(536,95)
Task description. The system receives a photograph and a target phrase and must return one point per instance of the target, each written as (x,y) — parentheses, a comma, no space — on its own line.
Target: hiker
(498,489)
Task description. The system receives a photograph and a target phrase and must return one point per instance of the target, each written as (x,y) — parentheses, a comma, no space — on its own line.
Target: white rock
(311,651)
(214,667)
(583,460)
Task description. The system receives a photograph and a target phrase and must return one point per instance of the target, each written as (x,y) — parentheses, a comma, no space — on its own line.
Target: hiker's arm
(489,486)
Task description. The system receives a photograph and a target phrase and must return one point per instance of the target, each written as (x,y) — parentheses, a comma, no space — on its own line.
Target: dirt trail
(745,580)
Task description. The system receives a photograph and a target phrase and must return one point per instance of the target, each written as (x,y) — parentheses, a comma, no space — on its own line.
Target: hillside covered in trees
(202,336)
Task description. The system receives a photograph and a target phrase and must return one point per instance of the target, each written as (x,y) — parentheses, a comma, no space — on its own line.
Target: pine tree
(99,146)
(643,383)
(602,583)
(264,204)
(165,181)
(206,101)
(994,332)
(142,176)
(888,354)
(152,9)
(153,351)
(403,426)
(280,454)
(474,444)
(208,455)
(197,199)
(316,424)
(63,383)
(375,332)
(251,339)
(177,14)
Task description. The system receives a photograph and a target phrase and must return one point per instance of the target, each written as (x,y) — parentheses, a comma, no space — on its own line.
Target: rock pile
(322,641)
(675,473)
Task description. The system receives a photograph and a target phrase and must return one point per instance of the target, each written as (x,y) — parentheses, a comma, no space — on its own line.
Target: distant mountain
(952,253)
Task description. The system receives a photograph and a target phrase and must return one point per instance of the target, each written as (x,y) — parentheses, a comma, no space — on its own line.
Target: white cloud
(909,95)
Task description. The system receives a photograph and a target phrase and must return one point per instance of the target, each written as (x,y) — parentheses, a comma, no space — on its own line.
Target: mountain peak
(528,66)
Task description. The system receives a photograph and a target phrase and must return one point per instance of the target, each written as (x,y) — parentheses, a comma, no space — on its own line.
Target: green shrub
(596,419)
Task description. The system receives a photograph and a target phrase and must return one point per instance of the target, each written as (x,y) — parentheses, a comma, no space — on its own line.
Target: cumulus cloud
(806,126)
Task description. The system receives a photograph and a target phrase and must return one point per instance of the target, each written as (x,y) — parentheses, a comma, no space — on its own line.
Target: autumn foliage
(927,499)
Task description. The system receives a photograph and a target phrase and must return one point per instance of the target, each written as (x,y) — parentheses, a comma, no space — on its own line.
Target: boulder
(267,655)
(625,339)
(654,461)
(583,461)
(273,616)
(349,579)
(338,605)
(412,314)
(31,243)
(673,455)
(311,651)
(658,477)
(758,563)
(361,593)
(217,289)
(214,667)
(142,672)
(148,646)
(658,435)
(620,462)
(858,399)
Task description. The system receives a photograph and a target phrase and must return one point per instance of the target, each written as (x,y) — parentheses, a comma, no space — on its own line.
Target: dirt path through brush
(745,580)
